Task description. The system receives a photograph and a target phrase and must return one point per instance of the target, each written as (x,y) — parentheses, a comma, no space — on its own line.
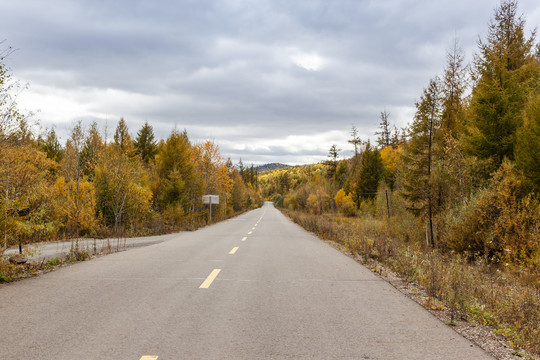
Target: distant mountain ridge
(271,166)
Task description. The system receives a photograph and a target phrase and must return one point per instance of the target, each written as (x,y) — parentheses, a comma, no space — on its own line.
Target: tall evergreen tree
(370,174)
(385,135)
(253,176)
(122,138)
(92,149)
(419,156)
(355,140)
(242,170)
(528,142)
(454,86)
(145,143)
(503,79)
(51,146)
(333,154)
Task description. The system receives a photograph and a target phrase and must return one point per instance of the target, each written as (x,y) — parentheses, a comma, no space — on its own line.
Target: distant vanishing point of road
(253,287)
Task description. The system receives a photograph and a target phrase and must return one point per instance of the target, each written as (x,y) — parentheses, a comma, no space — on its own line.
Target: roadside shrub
(345,203)
(313,205)
(495,222)
(348,209)
(278,200)
(290,202)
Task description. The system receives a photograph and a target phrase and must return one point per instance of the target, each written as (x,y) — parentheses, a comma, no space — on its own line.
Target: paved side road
(62,248)
(253,287)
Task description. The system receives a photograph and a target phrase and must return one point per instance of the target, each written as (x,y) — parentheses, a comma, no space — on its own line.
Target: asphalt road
(46,251)
(253,287)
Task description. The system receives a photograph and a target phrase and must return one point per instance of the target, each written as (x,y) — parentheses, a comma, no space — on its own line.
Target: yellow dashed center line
(148,357)
(234,249)
(249,233)
(244,238)
(213,275)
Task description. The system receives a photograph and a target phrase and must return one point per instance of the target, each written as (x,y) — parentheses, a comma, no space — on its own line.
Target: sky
(267,80)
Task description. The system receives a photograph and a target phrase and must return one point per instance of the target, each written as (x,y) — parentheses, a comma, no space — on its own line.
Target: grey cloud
(225,68)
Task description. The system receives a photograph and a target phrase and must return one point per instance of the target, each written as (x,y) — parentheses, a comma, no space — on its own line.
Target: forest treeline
(451,201)
(97,187)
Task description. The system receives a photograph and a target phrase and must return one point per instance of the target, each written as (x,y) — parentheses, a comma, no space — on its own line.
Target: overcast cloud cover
(268,80)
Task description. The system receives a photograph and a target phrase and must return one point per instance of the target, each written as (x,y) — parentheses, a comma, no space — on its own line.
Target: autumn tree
(390,158)
(122,191)
(239,196)
(212,170)
(207,160)
(75,193)
(11,118)
(24,193)
(344,203)
(177,184)
(24,169)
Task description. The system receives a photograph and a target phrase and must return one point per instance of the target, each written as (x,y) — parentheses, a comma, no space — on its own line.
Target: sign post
(210,200)
(225,206)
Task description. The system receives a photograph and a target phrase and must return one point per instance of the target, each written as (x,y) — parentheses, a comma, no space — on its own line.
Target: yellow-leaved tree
(76,203)
(75,197)
(24,193)
(124,196)
(212,170)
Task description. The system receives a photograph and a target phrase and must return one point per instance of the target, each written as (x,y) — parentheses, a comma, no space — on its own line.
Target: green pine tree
(145,143)
(454,86)
(51,146)
(528,142)
(91,152)
(122,137)
(333,154)
(504,75)
(421,150)
(385,135)
(370,174)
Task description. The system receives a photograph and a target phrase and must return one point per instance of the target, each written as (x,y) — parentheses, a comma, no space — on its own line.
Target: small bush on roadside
(496,223)
(54,262)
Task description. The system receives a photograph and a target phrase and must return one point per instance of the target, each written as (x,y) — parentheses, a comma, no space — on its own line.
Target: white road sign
(210,199)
